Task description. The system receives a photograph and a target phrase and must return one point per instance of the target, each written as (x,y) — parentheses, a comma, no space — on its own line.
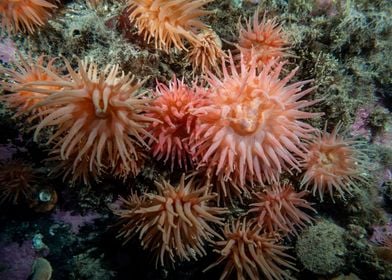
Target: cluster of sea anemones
(248,130)
(242,130)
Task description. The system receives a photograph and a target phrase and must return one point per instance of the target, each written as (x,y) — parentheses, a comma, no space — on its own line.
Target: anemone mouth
(100,99)
(100,114)
(245,119)
(244,126)
(329,158)
(332,156)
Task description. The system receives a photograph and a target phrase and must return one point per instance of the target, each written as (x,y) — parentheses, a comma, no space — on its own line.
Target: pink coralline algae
(360,125)
(76,221)
(362,128)
(7,151)
(325,7)
(381,234)
(7,50)
(16,260)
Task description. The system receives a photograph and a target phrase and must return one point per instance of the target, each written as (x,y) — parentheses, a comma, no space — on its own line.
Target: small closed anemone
(207,54)
(280,209)
(251,255)
(253,127)
(262,41)
(333,164)
(27,71)
(25,15)
(97,119)
(175,123)
(174,223)
(169,23)
(17,180)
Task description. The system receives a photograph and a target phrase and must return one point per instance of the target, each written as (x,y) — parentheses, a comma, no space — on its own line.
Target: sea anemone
(25,15)
(207,54)
(97,118)
(252,128)
(17,180)
(172,110)
(168,22)
(332,164)
(27,71)
(174,222)
(280,209)
(251,255)
(226,188)
(263,41)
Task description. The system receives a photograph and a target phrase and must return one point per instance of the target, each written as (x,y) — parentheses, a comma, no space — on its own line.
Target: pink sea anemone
(251,255)
(332,164)
(174,121)
(207,54)
(262,40)
(280,209)
(252,128)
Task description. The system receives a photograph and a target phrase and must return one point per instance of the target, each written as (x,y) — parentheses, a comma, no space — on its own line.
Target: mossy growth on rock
(322,249)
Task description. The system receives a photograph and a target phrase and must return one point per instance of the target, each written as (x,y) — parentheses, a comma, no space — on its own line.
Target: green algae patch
(322,249)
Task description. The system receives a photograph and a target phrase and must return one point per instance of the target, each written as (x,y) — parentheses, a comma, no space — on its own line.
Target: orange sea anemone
(332,164)
(207,54)
(251,255)
(253,127)
(27,71)
(173,223)
(262,41)
(17,180)
(279,209)
(25,15)
(175,123)
(97,118)
(168,22)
